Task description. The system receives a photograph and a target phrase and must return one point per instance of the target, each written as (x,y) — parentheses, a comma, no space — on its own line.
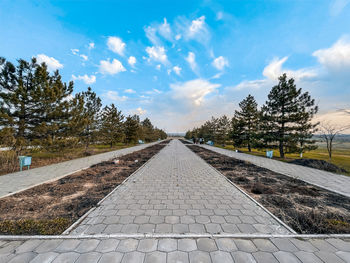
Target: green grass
(340,155)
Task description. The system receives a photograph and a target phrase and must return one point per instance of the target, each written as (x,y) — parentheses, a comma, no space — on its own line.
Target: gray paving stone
(68,245)
(127,245)
(132,257)
(303,245)
(111,257)
(245,245)
(28,246)
(47,257)
(221,257)
(199,256)
(187,245)
(339,244)
(243,257)
(286,257)
(307,257)
(322,245)
(147,245)
(87,245)
(167,245)
(206,244)
(177,257)
(92,257)
(284,244)
(265,245)
(23,258)
(344,256)
(48,246)
(107,245)
(68,257)
(264,257)
(155,257)
(328,257)
(226,244)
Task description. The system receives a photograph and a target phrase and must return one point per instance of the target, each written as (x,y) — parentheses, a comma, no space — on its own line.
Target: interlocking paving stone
(216,250)
(184,195)
(335,182)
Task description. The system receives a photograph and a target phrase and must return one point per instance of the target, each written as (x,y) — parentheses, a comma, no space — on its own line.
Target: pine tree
(222,130)
(17,101)
(148,130)
(111,125)
(131,126)
(236,133)
(247,118)
(286,117)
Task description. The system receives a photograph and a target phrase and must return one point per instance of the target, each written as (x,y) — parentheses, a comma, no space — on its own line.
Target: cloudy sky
(180,62)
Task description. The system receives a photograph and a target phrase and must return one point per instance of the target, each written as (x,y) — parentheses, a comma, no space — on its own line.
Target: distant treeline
(283,122)
(37,109)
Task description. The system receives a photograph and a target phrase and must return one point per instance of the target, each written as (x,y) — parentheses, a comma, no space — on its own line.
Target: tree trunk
(249,147)
(281,149)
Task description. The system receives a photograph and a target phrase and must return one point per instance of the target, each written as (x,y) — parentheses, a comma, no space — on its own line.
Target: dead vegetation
(50,208)
(306,208)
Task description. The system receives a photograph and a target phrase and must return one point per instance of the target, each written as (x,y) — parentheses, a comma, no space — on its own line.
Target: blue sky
(180,62)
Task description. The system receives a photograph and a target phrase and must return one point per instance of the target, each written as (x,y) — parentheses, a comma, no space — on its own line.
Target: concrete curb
(175,236)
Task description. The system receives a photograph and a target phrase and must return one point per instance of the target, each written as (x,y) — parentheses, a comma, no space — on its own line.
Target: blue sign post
(269,154)
(25,161)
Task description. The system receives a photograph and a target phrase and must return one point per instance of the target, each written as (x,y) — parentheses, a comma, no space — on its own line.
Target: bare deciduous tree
(328,132)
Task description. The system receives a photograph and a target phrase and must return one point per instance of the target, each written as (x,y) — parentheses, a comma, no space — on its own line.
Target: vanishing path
(15,182)
(333,182)
(178,192)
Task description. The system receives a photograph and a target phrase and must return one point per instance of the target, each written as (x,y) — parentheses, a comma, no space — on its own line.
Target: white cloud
(116,45)
(193,91)
(198,30)
(114,67)
(191,59)
(129,91)
(114,96)
(165,30)
(132,61)
(140,111)
(220,63)
(178,37)
(84,57)
(51,63)
(337,57)
(159,66)
(177,70)
(219,15)
(75,51)
(151,34)
(157,53)
(91,45)
(85,78)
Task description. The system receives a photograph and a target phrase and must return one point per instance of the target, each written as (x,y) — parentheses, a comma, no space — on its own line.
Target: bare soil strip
(306,208)
(50,208)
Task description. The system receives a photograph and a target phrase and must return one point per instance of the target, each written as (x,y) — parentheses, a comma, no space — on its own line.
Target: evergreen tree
(286,117)
(111,125)
(247,118)
(236,133)
(148,130)
(222,129)
(131,126)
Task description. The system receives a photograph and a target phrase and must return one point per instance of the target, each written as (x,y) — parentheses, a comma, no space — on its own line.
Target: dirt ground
(70,197)
(306,208)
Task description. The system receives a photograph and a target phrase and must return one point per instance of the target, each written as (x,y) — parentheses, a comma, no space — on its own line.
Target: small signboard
(25,161)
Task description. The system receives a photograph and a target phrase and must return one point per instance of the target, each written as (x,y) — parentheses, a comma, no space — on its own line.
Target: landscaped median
(50,208)
(306,208)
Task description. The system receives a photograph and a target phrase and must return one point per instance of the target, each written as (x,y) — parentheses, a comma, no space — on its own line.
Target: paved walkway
(333,182)
(154,250)
(173,195)
(177,192)
(15,182)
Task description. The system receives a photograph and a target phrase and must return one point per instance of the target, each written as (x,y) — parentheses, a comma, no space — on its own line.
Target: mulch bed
(305,208)
(52,207)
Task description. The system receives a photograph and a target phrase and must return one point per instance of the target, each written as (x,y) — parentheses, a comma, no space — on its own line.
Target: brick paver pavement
(334,182)
(177,192)
(193,250)
(15,182)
